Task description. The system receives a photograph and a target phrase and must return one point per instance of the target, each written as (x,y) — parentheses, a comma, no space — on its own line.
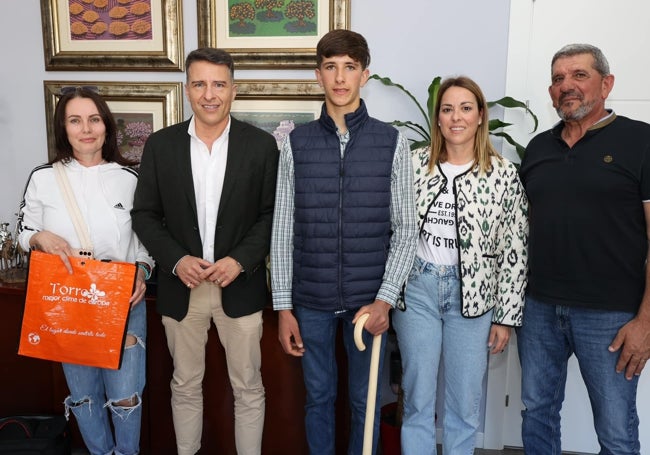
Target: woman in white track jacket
(106,403)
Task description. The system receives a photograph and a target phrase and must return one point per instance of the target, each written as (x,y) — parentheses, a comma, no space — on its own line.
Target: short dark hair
(343,42)
(600,62)
(211,55)
(110,150)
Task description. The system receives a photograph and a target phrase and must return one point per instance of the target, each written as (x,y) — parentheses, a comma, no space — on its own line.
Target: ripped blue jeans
(94,392)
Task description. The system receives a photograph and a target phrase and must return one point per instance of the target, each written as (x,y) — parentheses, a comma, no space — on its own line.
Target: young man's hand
(377,322)
(289,334)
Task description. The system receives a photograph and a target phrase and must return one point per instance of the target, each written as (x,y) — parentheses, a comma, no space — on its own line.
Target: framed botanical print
(270,33)
(277,106)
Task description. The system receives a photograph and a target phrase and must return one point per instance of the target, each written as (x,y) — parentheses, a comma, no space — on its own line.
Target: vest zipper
(340,233)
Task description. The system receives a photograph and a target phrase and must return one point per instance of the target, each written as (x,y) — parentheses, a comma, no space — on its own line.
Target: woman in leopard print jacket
(466,288)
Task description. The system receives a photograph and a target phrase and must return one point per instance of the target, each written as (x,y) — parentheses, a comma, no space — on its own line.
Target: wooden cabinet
(32,386)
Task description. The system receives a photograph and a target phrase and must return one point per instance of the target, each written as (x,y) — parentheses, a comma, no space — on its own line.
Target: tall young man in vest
(344,236)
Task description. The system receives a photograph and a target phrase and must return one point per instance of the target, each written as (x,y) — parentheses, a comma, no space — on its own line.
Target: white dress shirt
(208,171)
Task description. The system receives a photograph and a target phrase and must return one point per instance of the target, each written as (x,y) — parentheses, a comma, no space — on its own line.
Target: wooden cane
(372,381)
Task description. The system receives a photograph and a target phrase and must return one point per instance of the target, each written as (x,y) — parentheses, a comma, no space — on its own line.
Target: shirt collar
(191,129)
(606,120)
(353,120)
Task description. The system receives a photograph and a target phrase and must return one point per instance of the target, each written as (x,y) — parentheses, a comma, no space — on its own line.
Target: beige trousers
(240,338)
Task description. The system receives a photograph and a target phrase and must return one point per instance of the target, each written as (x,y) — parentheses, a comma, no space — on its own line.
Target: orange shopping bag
(79,317)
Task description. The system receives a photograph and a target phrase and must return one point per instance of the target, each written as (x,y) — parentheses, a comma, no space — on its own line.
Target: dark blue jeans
(318,331)
(549,336)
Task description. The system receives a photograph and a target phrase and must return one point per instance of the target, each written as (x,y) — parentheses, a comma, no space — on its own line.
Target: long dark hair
(110,151)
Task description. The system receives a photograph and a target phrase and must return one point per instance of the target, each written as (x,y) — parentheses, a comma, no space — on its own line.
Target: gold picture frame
(139,109)
(80,36)
(277,106)
(274,89)
(250,51)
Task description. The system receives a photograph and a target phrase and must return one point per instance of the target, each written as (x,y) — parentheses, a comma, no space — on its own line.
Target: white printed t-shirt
(438,242)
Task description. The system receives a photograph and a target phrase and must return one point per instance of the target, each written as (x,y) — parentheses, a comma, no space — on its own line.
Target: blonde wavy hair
(483,148)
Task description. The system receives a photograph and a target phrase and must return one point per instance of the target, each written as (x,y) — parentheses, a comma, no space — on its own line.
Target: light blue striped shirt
(403,222)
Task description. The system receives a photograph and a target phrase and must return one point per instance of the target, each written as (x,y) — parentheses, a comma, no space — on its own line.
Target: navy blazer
(165,219)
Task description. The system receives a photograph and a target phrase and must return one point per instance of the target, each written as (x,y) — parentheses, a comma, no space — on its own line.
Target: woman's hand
(51,243)
(139,288)
(499,337)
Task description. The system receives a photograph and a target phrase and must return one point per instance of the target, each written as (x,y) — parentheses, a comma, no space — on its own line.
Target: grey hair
(600,62)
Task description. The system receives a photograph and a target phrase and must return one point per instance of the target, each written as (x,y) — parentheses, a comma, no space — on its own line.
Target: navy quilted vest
(342,223)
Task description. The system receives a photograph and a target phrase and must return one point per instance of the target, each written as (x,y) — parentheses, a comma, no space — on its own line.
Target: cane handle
(358,331)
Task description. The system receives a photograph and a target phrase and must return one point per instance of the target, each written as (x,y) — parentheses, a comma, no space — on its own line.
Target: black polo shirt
(588,236)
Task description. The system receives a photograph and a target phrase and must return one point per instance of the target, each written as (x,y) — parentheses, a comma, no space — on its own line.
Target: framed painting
(87,35)
(139,109)
(277,106)
(270,33)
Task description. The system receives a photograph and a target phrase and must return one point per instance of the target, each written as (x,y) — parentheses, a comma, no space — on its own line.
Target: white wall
(410,44)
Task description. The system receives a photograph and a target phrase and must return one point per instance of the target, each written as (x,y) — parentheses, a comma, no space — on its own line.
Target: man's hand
(289,334)
(223,272)
(377,322)
(190,269)
(634,337)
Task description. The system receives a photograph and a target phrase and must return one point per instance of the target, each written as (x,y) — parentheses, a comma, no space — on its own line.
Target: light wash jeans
(549,336)
(318,331)
(92,390)
(430,331)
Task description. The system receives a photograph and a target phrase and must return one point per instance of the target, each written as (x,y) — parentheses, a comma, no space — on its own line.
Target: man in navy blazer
(203,208)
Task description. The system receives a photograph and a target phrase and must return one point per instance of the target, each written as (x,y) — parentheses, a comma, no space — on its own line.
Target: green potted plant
(423,131)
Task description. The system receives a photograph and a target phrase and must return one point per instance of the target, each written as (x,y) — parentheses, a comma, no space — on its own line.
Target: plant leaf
(518,147)
(387,82)
(417,128)
(496,123)
(510,102)
(431,100)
